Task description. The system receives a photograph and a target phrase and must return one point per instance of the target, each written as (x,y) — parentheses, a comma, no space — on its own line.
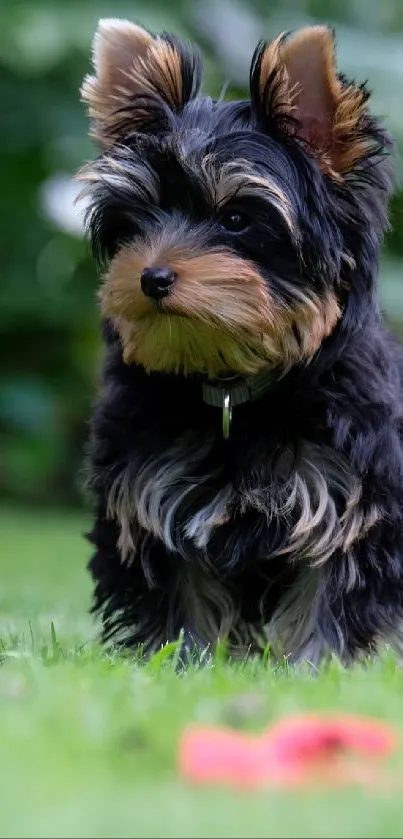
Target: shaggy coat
(241,239)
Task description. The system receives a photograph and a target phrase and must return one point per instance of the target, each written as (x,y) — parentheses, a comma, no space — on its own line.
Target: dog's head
(237,235)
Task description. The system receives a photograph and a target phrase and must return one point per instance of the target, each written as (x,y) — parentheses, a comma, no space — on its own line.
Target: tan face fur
(219,317)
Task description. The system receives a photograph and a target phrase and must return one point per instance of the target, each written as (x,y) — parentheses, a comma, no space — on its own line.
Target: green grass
(88,742)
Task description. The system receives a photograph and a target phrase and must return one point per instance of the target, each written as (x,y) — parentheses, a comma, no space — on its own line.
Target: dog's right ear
(132,69)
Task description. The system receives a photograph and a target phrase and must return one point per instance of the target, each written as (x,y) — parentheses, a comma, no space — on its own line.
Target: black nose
(156,282)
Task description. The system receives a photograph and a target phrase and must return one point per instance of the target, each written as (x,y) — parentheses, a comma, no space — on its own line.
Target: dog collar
(236,390)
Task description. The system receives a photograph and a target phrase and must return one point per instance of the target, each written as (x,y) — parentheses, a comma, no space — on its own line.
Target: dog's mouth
(163,309)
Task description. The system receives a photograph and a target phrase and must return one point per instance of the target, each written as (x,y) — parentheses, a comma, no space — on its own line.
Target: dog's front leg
(137,595)
(348,607)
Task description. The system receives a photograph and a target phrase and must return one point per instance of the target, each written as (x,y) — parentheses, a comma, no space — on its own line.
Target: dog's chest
(310,502)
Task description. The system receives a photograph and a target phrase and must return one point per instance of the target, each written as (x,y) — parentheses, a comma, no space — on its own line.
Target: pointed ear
(130,66)
(295,86)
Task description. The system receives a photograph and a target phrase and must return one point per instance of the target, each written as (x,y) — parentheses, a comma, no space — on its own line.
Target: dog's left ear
(295,86)
(134,69)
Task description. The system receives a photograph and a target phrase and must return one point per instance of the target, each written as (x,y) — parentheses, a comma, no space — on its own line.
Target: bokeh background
(49,346)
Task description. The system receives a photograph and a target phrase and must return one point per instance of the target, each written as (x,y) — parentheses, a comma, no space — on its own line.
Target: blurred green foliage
(49,344)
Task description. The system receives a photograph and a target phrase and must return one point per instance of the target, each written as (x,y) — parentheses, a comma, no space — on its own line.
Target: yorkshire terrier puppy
(246,452)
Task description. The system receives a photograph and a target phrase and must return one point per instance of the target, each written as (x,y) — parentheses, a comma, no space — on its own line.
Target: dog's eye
(234,222)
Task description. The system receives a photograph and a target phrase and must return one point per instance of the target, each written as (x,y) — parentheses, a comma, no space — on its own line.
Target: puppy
(246,454)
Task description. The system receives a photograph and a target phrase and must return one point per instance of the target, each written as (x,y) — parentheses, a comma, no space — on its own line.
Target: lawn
(88,741)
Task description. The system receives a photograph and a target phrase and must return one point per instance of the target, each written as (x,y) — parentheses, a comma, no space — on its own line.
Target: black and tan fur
(265,217)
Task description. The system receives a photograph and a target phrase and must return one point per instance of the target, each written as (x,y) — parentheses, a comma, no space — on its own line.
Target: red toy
(294,752)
